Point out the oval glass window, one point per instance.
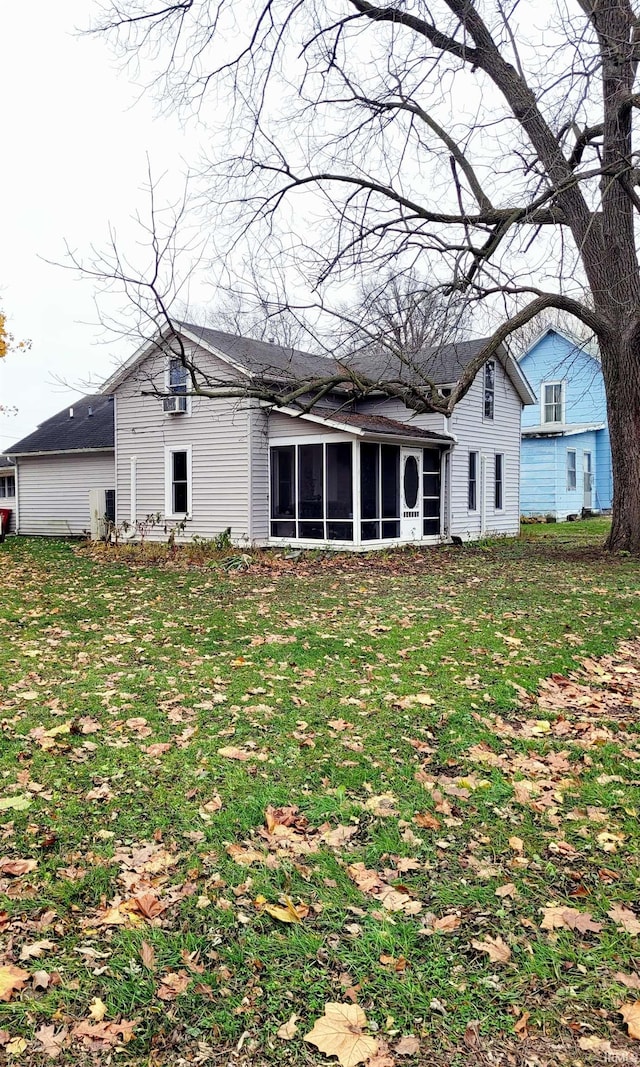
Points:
(411, 481)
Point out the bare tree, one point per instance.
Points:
(451, 128)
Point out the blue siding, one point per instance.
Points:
(544, 491)
(538, 476)
(555, 359)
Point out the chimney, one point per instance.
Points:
(70, 413)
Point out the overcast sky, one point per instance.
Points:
(75, 136)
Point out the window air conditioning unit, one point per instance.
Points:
(174, 405)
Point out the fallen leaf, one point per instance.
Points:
(51, 1041)
(631, 1015)
(496, 949)
(97, 1010)
(15, 803)
(427, 821)
(516, 843)
(40, 979)
(148, 956)
(508, 890)
(16, 868)
(17, 1046)
(35, 950)
(173, 985)
(289, 1029)
(558, 917)
(12, 979)
(407, 1046)
(383, 805)
(340, 1033)
(625, 917)
(287, 912)
(632, 981)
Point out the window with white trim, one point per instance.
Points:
(489, 388)
(498, 499)
(572, 470)
(552, 402)
(7, 485)
(176, 384)
(473, 482)
(178, 482)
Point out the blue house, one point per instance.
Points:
(566, 454)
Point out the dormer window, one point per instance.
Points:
(552, 402)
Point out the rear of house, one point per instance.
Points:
(566, 452)
(349, 475)
(65, 470)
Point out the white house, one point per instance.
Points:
(348, 474)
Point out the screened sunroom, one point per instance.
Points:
(377, 484)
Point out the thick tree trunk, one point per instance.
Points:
(621, 369)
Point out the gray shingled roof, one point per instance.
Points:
(379, 424)
(262, 357)
(6, 462)
(441, 364)
(91, 426)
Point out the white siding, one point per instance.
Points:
(281, 425)
(487, 437)
(53, 491)
(219, 435)
(259, 437)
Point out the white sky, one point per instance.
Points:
(75, 134)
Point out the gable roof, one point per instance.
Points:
(262, 357)
(589, 347)
(91, 426)
(244, 354)
(440, 364)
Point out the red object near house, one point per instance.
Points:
(5, 516)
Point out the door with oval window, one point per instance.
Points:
(410, 494)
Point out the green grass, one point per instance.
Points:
(267, 658)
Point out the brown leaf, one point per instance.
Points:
(340, 1033)
(51, 1041)
(631, 1015)
(407, 1046)
(148, 956)
(625, 917)
(446, 924)
(173, 985)
(35, 949)
(149, 905)
(632, 981)
(427, 821)
(16, 868)
(508, 890)
(242, 754)
(12, 979)
(559, 917)
(496, 949)
(383, 1057)
(289, 1029)
(245, 855)
(40, 979)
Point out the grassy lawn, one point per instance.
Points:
(321, 780)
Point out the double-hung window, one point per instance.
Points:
(572, 476)
(552, 402)
(178, 482)
(7, 485)
(499, 482)
(489, 389)
(176, 385)
(473, 482)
